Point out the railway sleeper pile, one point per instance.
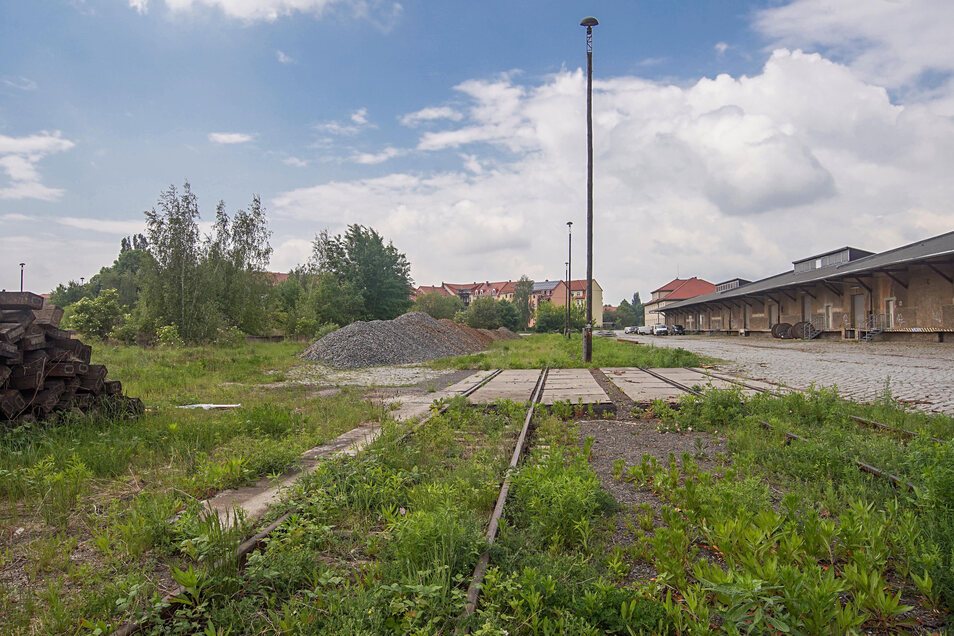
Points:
(45, 370)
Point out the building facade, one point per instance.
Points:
(903, 294)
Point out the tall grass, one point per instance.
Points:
(558, 352)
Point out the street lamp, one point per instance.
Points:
(22, 265)
(589, 23)
(569, 274)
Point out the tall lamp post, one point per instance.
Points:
(589, 23)
(22, 265)
(569, 276)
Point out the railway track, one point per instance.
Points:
(252, 543)
(789, 436)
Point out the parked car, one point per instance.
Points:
(645, 330)
(629, 330)
(660, 330)
(677, 330)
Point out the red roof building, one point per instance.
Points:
(676, 289)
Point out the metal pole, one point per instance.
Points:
(589, 23)
(21, 276)
(569, 277)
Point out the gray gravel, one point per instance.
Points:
(413, 337)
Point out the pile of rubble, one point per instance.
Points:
(413, 337)
(44, 369)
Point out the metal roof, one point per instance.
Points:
(546, 285)
(931, 248)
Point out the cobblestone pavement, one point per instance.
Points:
(919, 374)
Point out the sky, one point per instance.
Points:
(730, 138)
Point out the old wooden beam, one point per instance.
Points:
(20, 300)
(49, 316)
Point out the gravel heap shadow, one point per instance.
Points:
(413, 337)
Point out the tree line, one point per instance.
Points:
(173, 284)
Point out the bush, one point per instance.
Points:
(168, 336)
(230, 337)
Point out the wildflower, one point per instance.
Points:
(402, 511)
(689, 429)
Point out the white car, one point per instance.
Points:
(629, 330)
(660, 330)
(645, 330)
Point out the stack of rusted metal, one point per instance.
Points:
(44, 369)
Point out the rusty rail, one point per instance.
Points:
(133, 626)
(480, 570)
(789, 436)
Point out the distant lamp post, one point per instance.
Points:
(22, 265)
(589, 23)
(569, 276)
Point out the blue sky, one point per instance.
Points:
(731, 137)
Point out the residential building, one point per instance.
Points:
(675, 290)
(902, 294)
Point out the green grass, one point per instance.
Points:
(558, 352)
(102, 489)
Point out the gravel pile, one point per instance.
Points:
(413, 337)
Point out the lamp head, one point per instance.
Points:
(589, 22)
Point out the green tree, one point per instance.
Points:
(176, 290)
(437, 305)
(509, 317)
(336, 301)
(625, 316)
(550, 317)
(639, 310)
(483, 313)
(523, 290)
(96, 317)
(379, 272)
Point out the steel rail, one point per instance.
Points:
(903, 432)
(133, 626)
(789, 436)
(480, 570)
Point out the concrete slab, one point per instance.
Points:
(642, 387)
(510, 384)
(690, 378)
(573, 385)
(755, 384)
(413, 406)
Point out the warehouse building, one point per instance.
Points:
(903, 294)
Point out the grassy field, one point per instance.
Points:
(558, 352)
(85, 501)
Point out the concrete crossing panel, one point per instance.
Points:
(641, 387)
(573, 385)
(510, 384)
(690, 378)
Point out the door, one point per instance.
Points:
(827, 316)
(773, 315)
(807, 308)
(858, 311)
(889, 312)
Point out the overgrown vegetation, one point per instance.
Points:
(559, 352)
(838, 548)
(86, 502)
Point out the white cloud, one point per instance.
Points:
(358, 122)
(430, 114)
(19, 157)
(380, 12)
(721, 48)
(19, 83)
(283, 58)
(731, 176)
(103, 226)
(888, 42)
(369, 158)
(294, 161)
(230, 138)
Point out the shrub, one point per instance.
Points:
(168, 336)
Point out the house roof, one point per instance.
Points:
(671, 285)
(275, 278)
(686, 288)
(937, 247)
(580, 285)
(546, 285)
(429, 289)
